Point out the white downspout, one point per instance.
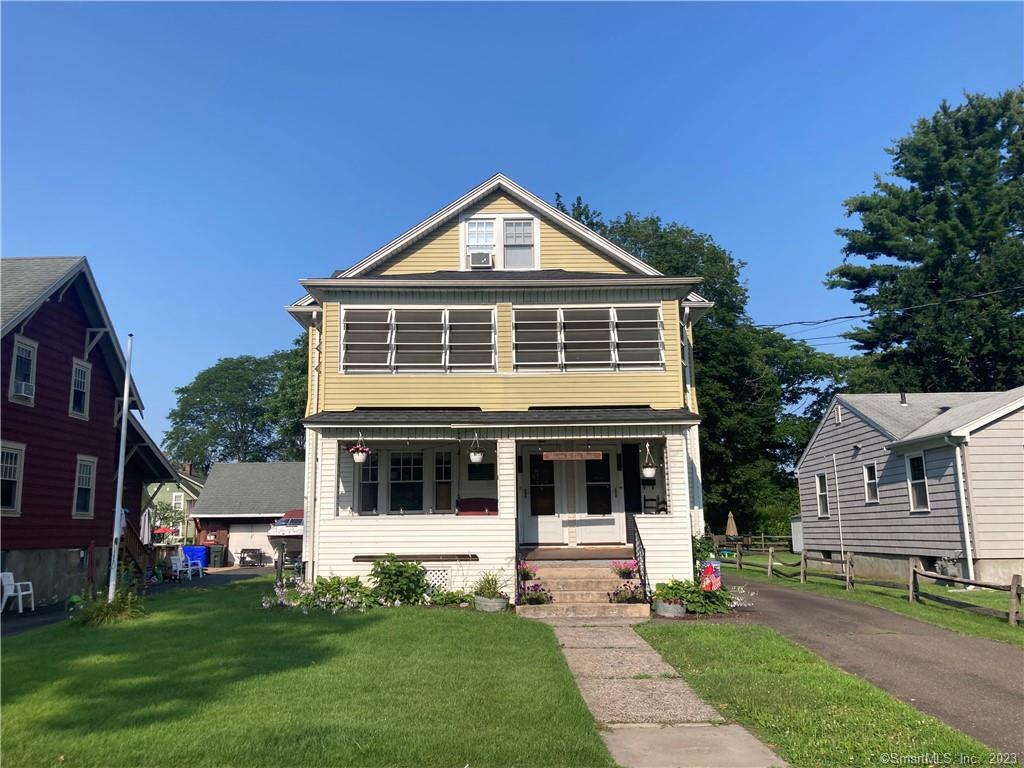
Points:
(961, 500)
(839, 512)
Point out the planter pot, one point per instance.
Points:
(476, 457)
(670, 610)
(649, 472)
(359, 457)
(490, 604)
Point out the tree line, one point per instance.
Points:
(933, 259)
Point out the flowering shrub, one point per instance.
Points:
(627, 593)
(398, 582)
(740, 598)
(327, 594)
(535, 594)
(696, 598)
(526, 571)
(625, 569)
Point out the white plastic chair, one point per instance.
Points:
(183, 567)
(194, 565)
(18, 589)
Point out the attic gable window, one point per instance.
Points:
(412, 340)
(23, 371)
(504, 241)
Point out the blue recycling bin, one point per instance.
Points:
(196, 553)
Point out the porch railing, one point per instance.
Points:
(641, 557)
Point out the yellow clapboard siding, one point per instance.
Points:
(503, 390)
(439, 250)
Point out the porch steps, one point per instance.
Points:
(580, 591)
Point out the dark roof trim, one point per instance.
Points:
(455, 418)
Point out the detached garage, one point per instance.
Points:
(241, 501)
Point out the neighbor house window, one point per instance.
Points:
(821, 487)
(405, 486)
(917, 482)
(23, 371)
(519, 244)
(81, 375)
(12, 467)
(369, 484)
(870, 483)
(418, 340)
(443, 480)
(585, 338)
(178, 501)
(85, 484)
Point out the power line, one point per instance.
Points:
(817, 323)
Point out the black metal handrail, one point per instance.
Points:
(641, 558)
(515, 565)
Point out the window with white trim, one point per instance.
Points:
(443, 480)
(518, 250)
(417, 340)
(12, 469)
(368, 486)
(85, 484)
(22, 388)
(917, 483)
(81, 379)
(871, 483)
(500, 241)
(585, 338)
(178, 501)
(821, 489)
(405, 486)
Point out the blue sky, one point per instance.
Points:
(204, 157)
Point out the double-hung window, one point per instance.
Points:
(12, 469)
(518, 246)
(406, 481)
(417, 340)
(443, 480)
(369, 485)
(582, 338)
(81, 375)
(85, 485)
(178, 501)
(480, 246)
(501, 241)
(821, 489)
(871, 483)
(23, 371)
(917, 483)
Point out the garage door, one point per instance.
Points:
(249, 536)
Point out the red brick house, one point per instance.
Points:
(62, 377)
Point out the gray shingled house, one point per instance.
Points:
(929, 476)
(240, 503)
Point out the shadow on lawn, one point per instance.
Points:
(192, 649)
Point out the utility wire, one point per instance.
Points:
(884, 311)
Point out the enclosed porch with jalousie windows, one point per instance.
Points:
(467, 491)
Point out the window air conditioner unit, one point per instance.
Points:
(24, 389)
(481, 260)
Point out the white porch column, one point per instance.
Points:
(696, 484)
(505, 467)
(677, 487)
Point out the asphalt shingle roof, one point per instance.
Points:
(254, 489)
(25, 280)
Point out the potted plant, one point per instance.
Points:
(648, 468)
(359, 451)
(535, 594)
(526, 571)
(627, 593)
(476, 453)
(625, 569)
(487, 594)
(670, 598)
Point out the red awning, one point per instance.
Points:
(292, 514)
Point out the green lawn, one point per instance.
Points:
(210, 679)
(813, 714)
(956, 619)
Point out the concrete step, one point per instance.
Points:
(602, 584)
(545, 572)
(572, 596)
(584, 610)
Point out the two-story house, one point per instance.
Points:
(524, 387)
(62, 381)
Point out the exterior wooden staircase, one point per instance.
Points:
(580, 590)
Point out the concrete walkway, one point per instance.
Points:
(970, 683)
(649, 716)
(14, 623)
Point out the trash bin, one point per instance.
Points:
(196, 553)
(216, 555)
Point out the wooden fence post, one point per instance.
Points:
(1015, 590)
(739, 556)
(912, 582)
(803, 567)
(849, 571)
(771, 560)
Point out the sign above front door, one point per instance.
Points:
(572, 455)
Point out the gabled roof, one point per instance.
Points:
(499, 182)
(157, 468)
(27, 282)
(252, 490)
(970, 414)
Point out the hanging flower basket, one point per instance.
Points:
(648, 469)
(476, 453)
(359, 451)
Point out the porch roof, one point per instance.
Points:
(472, 417)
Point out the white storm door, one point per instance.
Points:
(541, 517)
(600, 515)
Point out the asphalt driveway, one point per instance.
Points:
(972, 684)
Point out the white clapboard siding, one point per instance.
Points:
(996, 471)
(506, 469)
(667, 545)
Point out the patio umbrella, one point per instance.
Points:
(165, 529)
(730, 526)
(145, 525)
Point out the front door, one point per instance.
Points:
(540, 511)
(600, 518)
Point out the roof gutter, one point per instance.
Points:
(961, 500)
(343, 283)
